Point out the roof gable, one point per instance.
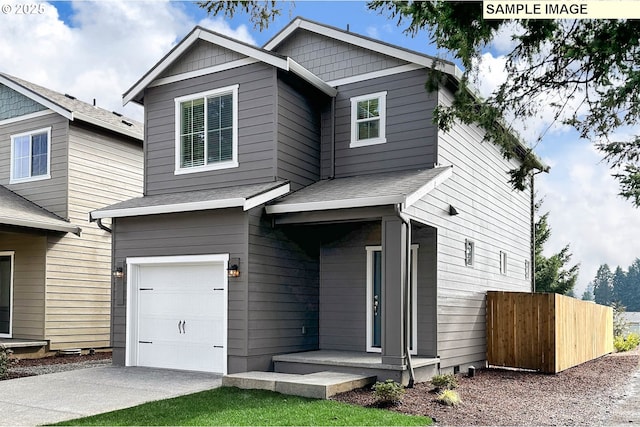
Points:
(201, 55)
(252, 54)
(363, 42)
(14, 104)
(72, 108)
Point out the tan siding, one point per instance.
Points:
(50, 193)
(102, 171)
(495, 217)
(28, 283)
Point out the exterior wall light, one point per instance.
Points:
(453, 211)
(234, 267)
(118, 273)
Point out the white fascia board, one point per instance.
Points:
(160, 67)
(267, 196)
(34, 96)
(203, 71)
(41, 225)
(314, 80)
(172, 208)
(334, 204)
(375, 74)
(106, 125)
(429, 186)
(26, 117)
(252, 52)
(282, 35)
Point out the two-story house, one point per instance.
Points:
(60, 158)
(302, 212)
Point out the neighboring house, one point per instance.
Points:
(302, 212)
(60, 158)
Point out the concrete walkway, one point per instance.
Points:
(50, 398)
(627, 410)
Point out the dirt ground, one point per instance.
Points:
(582, 395)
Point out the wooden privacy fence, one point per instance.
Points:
(545, 332)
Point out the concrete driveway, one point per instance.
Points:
(50, 398)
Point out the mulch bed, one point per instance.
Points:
(51, 360)
(582, 395)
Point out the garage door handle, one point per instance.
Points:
(179, 326)
(184, 326)
(145, 342)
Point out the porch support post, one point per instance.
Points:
(394, 262)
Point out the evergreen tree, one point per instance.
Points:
(619, 287)
(552, 274)
(602, 285)
(633, 286)
(587, 295)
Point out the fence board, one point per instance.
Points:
(545, 332)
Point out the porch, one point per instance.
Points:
(353, 362)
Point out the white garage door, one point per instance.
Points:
(181, 315)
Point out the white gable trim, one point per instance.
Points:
(243, 49)
(359, 41)
(26, 117)
(37, 98)
(335, 204)
(41, 225)
(428, 187)
(244, 203)
(203, 71)
(314, 80)
(375, 74)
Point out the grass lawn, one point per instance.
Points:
(232, 406)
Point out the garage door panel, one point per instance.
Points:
(181, 316)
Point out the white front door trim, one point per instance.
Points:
(133, 300)
(12, 255)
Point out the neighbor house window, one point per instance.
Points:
(503, 262)
(30, 155)
(368, 119)
(469, 247)
(207, 130)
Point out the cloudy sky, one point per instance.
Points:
(98, 49)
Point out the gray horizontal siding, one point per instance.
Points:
(283, 288)
(298, 137)
(50, 193)
(201, 55)
(410, 132)
(332, 59)
(495, 217)
(192, 233)
(256, 118)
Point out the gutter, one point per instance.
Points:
(407, 283)
(101, 225)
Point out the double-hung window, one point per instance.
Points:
(30, 156)
(368, 119)
(207, 130)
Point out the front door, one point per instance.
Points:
(374, 299)
(6, 293)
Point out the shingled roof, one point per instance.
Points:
(74, 109)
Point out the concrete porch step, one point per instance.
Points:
(318, 385)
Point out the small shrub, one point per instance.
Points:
(388, 392)
(449, 398)
(627, 343)
(445, 382)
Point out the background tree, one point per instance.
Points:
(552, 274)
(603, 285)
(587, 295)
(619, 286)
(632, 301)
(585, 71)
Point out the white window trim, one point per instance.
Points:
(13, 180)
(503, 262)
(233, 163)
(369, 302)
(11, 254)
(382, 105)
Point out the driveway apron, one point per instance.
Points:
(51, 398)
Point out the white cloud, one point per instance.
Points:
(373, 32)
(219, 25)
(110, 45)
(586, 211)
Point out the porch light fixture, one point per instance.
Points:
(234, 267)
(453, 211)
(118, 273)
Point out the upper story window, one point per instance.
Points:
(30, 156)
(207, 130)
(368, 119)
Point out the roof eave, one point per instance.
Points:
(106, 125)
(41, 225)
